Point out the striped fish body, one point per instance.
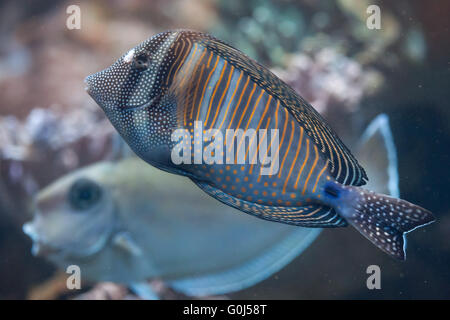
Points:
(216, 91)
(192, 105)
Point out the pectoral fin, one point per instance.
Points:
(124, 241)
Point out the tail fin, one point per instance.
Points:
(382, 219)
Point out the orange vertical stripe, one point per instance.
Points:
(259, 123)
(299, 146)
(209, 60)
(282, 139)
(223, 95)
(196, 90)
(270, 143)
(176, 60)
(319, 175)
(259, 144)
(304, 163)
(197, 64)
(188, 66)
(204, 87)
(255, 107)
(182, 59)
(287, 149)
(246, 106)
(239, 102)
(214, 92)
(312, 169)
(231, 99)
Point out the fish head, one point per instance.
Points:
(73, 217)
(131, 91)
(92, 217)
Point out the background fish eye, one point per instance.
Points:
(83, 194)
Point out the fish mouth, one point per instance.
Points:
(40, 247)
(94, 90)
(101, 100)
(88, 84)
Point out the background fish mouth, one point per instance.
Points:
(30, 231)
(40, 247)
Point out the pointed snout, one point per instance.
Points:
(105, 86)
(88, 84)
(91, 82)
(39, 248)
(29, 230)
(93, 85)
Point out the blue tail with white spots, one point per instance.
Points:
(382, 219)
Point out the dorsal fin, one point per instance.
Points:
(343, 165)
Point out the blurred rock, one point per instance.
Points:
(328, 79)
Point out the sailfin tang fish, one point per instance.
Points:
(190, 82)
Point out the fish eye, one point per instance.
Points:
(141, 62)
(83, 194)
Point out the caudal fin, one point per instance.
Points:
(382, 219)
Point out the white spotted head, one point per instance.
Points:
(135, 78)
(130, 91)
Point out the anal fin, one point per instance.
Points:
(310, 216)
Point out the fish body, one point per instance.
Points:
(268, 152)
